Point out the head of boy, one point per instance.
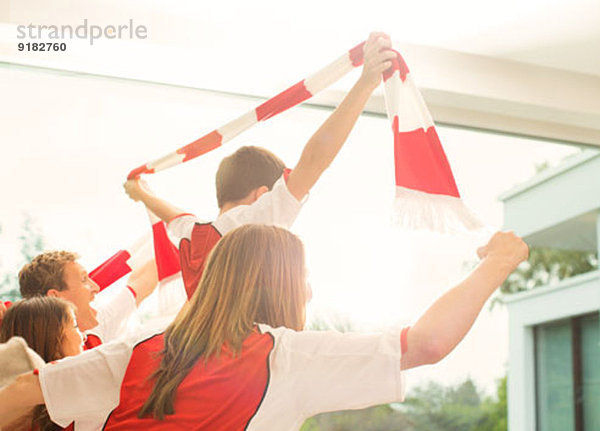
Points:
(58, 274)
(245, 175)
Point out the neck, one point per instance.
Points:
(230, 205)
(227, 206)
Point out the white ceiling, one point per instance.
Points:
(557, 33)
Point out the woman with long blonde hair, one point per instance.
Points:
(236, 357)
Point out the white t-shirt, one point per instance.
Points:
(276, 207)
(314, 372)
(310, 372)
(113, 314)
(196, 239)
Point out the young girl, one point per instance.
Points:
(49, 327)
(47, 324)
(236, 357)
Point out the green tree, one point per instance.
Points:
(548, 266)
(378, 418)
(32, 243)
(495, 417)
(432, 407)
(453, 408)
(32, 240)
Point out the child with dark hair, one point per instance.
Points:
(247, 169)
(49, 327)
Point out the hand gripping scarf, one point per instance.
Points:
(426, 193)
(155, 244)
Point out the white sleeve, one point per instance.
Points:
(85, 388)
(181, 226)
(276, 207)
(329, 371)
(113, 315)
(16, 358)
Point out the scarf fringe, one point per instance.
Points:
(439, 213)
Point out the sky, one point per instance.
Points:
(68, 140)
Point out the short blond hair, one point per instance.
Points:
(45, 272)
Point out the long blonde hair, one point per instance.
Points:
(255, 274)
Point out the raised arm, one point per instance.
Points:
(18, 398)
(138, 190)
(324, 145)
(449, 319)
(143, 280)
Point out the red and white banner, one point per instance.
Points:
(156, 245)
(171, 291)
(123, 262)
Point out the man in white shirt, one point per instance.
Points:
(58, 274)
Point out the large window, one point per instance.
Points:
(590, 371)
(567, 374)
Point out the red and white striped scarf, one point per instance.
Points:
(426, 193)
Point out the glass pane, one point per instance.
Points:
(554, 377)
(590, 357)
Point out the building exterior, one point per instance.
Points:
(554, 348)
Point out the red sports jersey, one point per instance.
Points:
(91, 341)
(221, 395)
(276, 207)
(281, 378)
(193, 252)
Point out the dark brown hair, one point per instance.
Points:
(41, 322)
(44, 272)
(245, 170)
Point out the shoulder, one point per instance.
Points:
(276, 207)
(182, 225)
(302, 342)
(334, 343)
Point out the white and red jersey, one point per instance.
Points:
(281, 378)
(196, 239)
(113, 315)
